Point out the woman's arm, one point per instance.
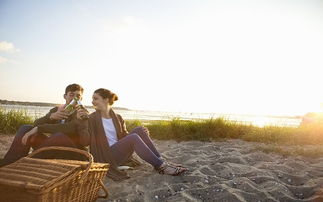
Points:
(84, 131)
(124, 130)
(82, 126)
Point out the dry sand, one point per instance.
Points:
(219, 171)
(223, 171)
(5, 142)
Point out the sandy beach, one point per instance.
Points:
(230, 170)
(223, 171)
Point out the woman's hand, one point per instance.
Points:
(28, 135)
(81, 113)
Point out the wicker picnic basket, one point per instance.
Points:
(32, 179)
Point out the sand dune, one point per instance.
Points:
(223, 171)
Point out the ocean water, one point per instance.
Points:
(36, 111)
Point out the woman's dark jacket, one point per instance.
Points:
(99, 146)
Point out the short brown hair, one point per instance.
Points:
(73, 87)
(105, 93)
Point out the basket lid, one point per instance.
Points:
(36, 174)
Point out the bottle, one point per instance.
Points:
(71, 107)
(84, 117)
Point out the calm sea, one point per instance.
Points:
(36, 111)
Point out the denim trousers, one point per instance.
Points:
(137, 141)
(18, 150)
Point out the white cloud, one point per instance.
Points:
(8, 47)
(6, 60)
(3, 60)
(121, 25)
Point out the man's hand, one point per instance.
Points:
(81, 112)
(28, 135)
(59, 115)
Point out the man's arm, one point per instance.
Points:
(76, 126)
(66, 128)
(46, 119)
(54, 116)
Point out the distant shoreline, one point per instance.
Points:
(43, 104)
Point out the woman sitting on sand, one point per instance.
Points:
(111, 143)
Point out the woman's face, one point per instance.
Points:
(99, 102)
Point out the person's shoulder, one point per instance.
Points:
(119, 116)
(93, 115)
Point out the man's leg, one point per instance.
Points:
(125, 147)
(60, 140)
(17, 150)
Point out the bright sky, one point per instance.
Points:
(230, 56)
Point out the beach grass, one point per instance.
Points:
(275, 137)
(215, 129)
(201, 130)
(11, 120)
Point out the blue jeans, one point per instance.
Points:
(17, 150)
(137, 141)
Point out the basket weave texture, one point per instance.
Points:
(40, 180)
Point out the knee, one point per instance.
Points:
(141, 131)
(59, 138)
(24, 129)
(134, 136)
(58, 135)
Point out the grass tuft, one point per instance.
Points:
(11, 120)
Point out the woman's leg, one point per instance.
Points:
(144, 134)
(125, 147)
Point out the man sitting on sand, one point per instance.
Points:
(64, 131)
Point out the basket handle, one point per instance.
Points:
(84, 153)
(104, 189)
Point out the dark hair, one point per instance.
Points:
(73, 87)
(107, 94)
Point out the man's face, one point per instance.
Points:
(70, 96)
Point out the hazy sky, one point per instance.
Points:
(245, 57)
